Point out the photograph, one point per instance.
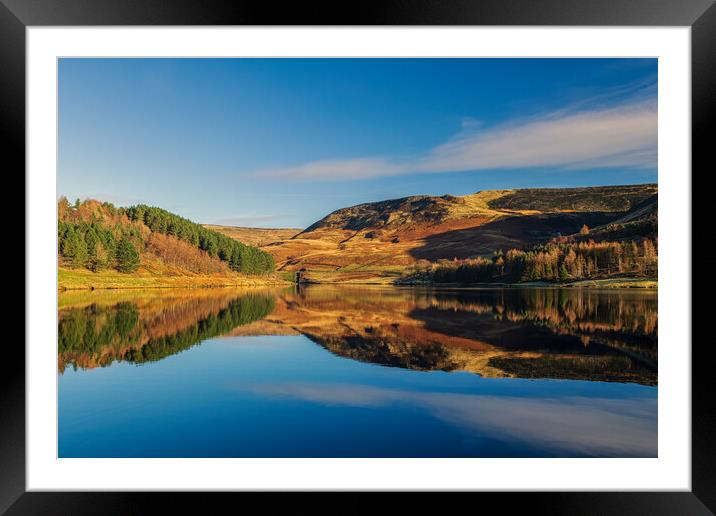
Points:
(357, 257)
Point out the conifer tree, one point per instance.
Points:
(67, 242)
(127, 256)
(98, 257)
(563, 274)
(80, 251)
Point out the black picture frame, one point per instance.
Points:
(700, 15)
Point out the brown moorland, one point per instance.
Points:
(254, 236)
(373, 242)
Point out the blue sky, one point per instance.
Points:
(283, 142)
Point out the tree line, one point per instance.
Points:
(240, 257)
(92, 246)
(555, 262)
(99, 236)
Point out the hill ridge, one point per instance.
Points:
(378, 239)
(431, 209)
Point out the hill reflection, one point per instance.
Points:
(526, 333)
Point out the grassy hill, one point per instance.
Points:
(102, 246)
(376, 241)
(399, 214)
(594, 198)
(254, 236)
(642, 221)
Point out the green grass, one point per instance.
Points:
(71, 279)
(617, 283)
(356, 274)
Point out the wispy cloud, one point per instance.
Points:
(600, 137)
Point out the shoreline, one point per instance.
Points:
(77, 280)
(61, 288)
(623, 283)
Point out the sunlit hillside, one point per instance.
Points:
(100, 245)
(376, 241)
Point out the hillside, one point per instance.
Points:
(376, 240)
(639, 222)
(254, 236)
(408, 212)
(595, 198)
(102, 246)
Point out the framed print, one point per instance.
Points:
(414, 250)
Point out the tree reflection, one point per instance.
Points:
(528, 333)
(97, 335)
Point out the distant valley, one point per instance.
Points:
(255, 236)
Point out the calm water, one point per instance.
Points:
(358, 372)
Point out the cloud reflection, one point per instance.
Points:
(566, 425)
